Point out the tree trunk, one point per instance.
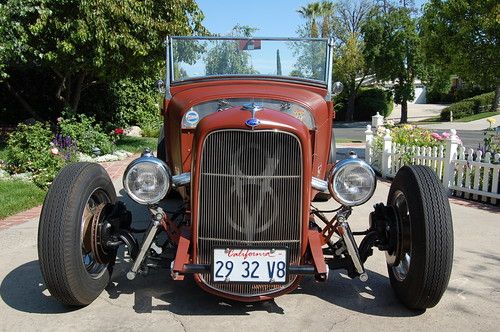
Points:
(404, 111)
(77, 92)
(496, 101)
(23, 102)
(351, 103)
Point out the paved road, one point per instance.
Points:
(356, 132)
(472, 300)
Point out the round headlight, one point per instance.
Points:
(352, 181)
(147, 180)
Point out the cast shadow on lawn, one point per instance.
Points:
(23, 289)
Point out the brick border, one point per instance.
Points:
(115, 170)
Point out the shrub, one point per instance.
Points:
(29, 150)
(368, 103)
(478, 104)
(136, 102)
(373, 100)
(86, 133)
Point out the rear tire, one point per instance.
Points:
(420, 273)
(68, 270)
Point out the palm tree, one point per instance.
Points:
(311, 12)
(326, 12)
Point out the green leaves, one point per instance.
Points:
(392, 50)
(89, 41)
(461, 37)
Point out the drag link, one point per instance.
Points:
(150, 235)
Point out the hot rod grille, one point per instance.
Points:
(250, 195)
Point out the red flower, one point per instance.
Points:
(118, 131)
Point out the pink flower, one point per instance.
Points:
(118, 131)
(436, 136)
(54, 151)
(445, 135)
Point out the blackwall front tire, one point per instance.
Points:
(70, 274)
(420, 273)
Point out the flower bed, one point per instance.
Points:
(37, 152)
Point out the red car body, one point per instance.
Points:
(183, 146)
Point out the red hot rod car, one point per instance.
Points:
(246, 147)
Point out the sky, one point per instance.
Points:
(273, 18)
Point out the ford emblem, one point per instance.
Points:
(252, 122)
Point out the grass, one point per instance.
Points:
(346, 140)
(477, 116)
(136, 144)
(17, 196)
(437, 119)
(434, 119)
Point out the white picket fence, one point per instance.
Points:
(465, 172)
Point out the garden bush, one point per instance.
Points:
(371, 101)
(368, 103)
(85, 133)
(136, 103)
(29, 150)
(478, 104)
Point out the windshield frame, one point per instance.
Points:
(327, 82)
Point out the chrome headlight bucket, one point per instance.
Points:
(147, 179)
(352, 181)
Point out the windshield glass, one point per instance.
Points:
(193, 57)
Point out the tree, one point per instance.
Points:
(392, 50)
(311, 12)
(225, 57)
(82, 43)
(341, 21)
(326, 9)
(350, 66)
(461, 37)
(348, 19)
(278, 63)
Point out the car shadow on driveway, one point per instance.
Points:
(23, 289)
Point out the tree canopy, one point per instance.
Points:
(79, 43)
(392, 50)
(225, 57)
(461, 37)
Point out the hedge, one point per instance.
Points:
(475, 105)
(368, 103)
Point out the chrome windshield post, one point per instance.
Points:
(168, 67)
(329, 70)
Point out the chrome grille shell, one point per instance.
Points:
(250, 194)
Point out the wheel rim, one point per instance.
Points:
(401, 263)
(94, 269)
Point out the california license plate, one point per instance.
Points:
(250, 265)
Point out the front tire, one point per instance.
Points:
(420, 267)
(71, 273)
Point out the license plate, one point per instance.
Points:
(250, 265)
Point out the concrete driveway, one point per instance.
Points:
(472, 301)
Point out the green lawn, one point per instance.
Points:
(437, 119)
(136, 144)
(478, 116)
(346, 140)
(17, 196)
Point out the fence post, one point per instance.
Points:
(377, 120)
(387, 154)
(369, 144)
(450, 155)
